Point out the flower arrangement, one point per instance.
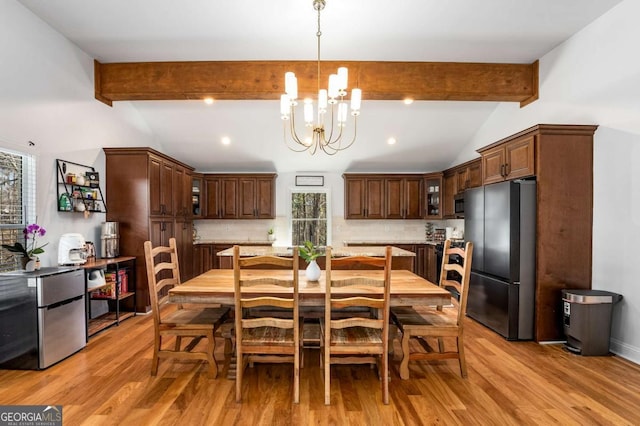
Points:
(309, 252)
(30, 248)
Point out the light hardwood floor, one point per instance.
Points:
(519, 383)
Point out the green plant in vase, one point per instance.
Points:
(310, 253)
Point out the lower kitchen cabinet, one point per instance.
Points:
(112, 299)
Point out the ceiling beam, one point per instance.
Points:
(242, 80)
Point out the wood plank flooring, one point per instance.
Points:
(510, 383)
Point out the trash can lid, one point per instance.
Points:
(590, 297)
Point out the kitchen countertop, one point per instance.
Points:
(377, 242)
(231, 242)
(376, 251)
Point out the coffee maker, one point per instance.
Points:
(72, 249)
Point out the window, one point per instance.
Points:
(17, 201)
(310, 217)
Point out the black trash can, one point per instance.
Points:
(587, 320)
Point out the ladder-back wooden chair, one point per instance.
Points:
(357, 339)
(441, 322)
(163, 273)
(266, 338)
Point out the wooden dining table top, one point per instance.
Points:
(216, 286)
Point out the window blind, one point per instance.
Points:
(17, 201)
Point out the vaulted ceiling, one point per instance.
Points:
(429, 133)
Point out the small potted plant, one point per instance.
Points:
(270, 235)
(30, 249)
(310, 253)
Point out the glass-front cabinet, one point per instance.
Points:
(433, 199)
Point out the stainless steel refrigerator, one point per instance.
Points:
(500, 220)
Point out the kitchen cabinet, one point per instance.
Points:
(424, 264)
(384, 196)
(404, 197)
(433, 200)
(240, 196)
(563, 170)
(449, 191)
(183, 232)
(117, 291)
(364, 196)
(202, 258)
(468, 175)
(196, 191)
(507, 160)
(78, 188)
(155, 208)
(431, 264)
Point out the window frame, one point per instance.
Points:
(309, 190)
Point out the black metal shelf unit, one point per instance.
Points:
(78, 188)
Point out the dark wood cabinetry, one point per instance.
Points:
(239, 196)
(507, 160)
(148, 196)
(456, 180)
(380, 196)
(434, 191)
(449, 191)
(561, 159)
(404, 197)
(364, 197)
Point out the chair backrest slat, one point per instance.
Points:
(463, 270)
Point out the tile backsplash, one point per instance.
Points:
(341, 230)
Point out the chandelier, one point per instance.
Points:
(331, 109)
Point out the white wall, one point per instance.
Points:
(46, 96)
(594, 78)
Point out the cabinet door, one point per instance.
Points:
(187, 187)
(394, 198)
(354, 198)
(202, 258)
(247, 198)
(413, 198)
(493, 165)
(421, 260)
(166, 188)
(431, 264)
(475, 174)
(178, 196)
(184, 241)
(374, 196)
(519, 158)
(197, 193)
(155, 183)
(212, 198)
(433, 185)
(462, 179)
(265, 198)
(449, 190)
(229, 198)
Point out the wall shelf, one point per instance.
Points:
(78, 188)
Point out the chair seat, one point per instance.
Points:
(274, 336)
(405, 317)
(354, 336)
(196, 317)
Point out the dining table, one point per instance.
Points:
(216, 286)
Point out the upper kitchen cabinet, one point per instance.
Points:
(364, 196)
(196, 190)
(404, 197)
(239, 196)
(468, 175)
(449, 182)
(433, 191)
(508, 159)
(160, 186)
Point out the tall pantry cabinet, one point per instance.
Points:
(151, 198)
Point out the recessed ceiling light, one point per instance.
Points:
(391, 141)
(226, 140)
(408, 101)
(208, 100)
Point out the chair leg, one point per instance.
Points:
(461, 360)
(327, 377)
(404, 363)
(156, 348)
(211, 347)
(385, 378)
(239, 372)
(296, 376)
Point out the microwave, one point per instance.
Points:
(458, 205)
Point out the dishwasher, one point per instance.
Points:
(43, 315)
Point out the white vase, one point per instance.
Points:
(313, 271)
